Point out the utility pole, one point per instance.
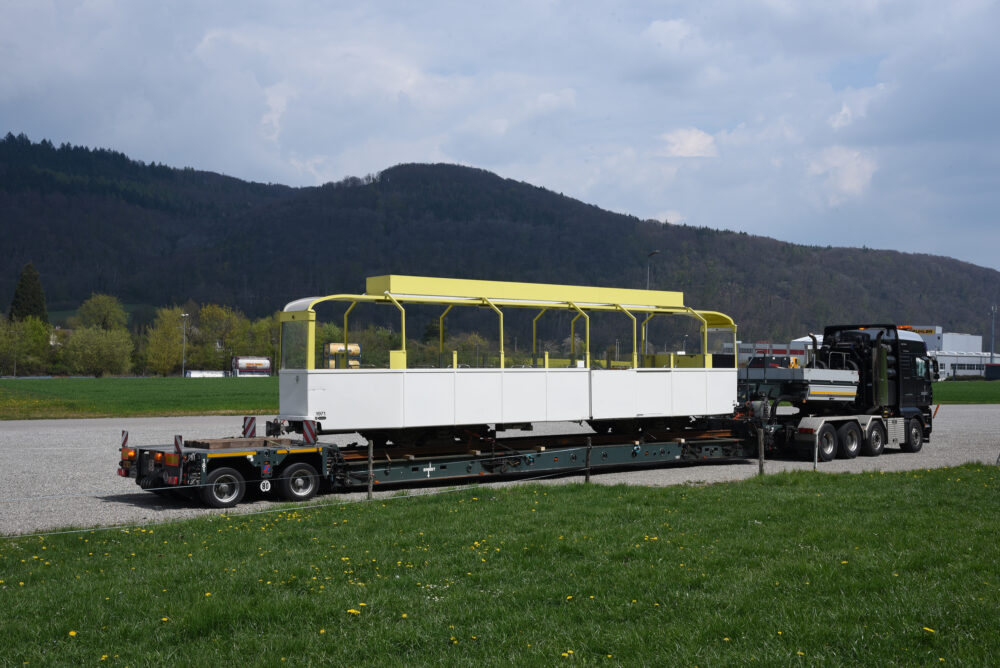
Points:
(184, 341)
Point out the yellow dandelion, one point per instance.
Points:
(929, 630)
(164, 619)
(322, 631)
(208, 593)
(72, 634)
(354, 612)
(404, 615)
(801, 653)
(569, 598)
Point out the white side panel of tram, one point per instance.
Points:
(397, 398)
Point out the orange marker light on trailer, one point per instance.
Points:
(128, 454)
(158, 457)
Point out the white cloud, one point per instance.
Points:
(796, 103)
(689, 143)
(670, 35)
(842, 118)
(848, 172)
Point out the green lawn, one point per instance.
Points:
(872, 569)
(22, 399)
(967, 392)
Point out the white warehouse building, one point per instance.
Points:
(957, 354)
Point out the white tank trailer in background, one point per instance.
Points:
(250, 367)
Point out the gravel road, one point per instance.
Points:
(61, 473)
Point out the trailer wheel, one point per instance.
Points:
(826, 439)
(299, 482)
(914, 436)
(874, 440)
(849, 436)
(223, 488)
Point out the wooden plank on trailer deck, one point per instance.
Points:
(240, 443)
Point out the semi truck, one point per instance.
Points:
(863, 388)
(866, 387)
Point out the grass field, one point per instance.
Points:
(871, 569)
(27, 398)
(967, 392)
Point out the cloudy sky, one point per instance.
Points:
(856, 122)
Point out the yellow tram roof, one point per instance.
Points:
(457, 291)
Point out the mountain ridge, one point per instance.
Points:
(93, 220)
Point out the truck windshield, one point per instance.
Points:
(294, 344)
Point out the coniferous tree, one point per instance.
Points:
(29, 297)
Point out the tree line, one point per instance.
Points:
(98, 340)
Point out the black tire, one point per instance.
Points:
(826, 439)
(874, 442)
(849, 437)
(223, 488)
(298, 482)
(914, 435)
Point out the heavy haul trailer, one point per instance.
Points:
(442, 423)
(865, 387)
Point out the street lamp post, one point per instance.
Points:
(649, 257)
(184, 331)
(993, 330)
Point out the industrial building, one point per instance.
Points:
(958, 355)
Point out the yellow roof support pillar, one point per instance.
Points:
(648, 318)
(534, 335)
(635, 350)
(441, 329)
(311, 342)
(586, 319)
(402, 318)
(347, 313)
(500, 314)
(704, 334)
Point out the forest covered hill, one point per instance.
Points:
(93, 220)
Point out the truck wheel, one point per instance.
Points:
(914, 436)
(874, 440)
(223, 488)
(849, 436)
(299, 482)
(826, 438)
